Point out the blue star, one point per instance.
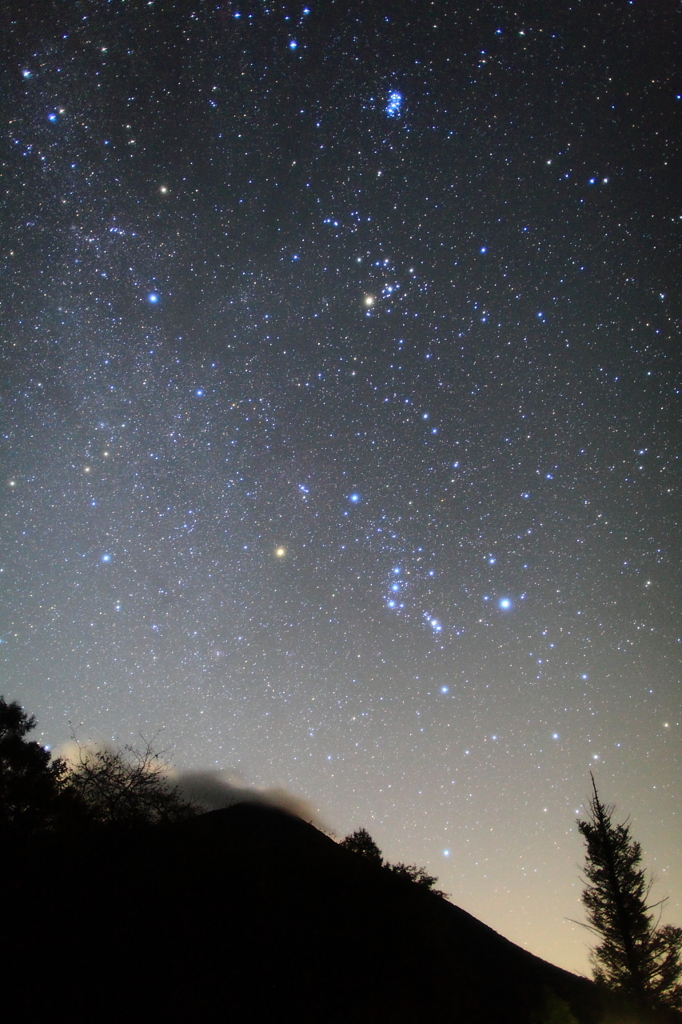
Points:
(153, 298)
(504, 603)
(355, 498)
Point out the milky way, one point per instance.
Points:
(339, 412)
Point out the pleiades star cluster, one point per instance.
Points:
(340, 415)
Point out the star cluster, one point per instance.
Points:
(340, 404)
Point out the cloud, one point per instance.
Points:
(213, 790)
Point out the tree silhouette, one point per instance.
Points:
(634, 955)
(419, 876)
(361, 843)
(31, 783)
(127, 787)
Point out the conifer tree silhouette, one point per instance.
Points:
(634, 956)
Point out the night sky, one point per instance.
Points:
(340, 415)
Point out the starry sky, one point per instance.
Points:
(340, 415)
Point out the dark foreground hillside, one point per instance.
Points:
(249, 915)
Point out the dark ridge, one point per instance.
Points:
(251, 915)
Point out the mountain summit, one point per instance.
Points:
(249, 914)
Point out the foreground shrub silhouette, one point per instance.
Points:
(634, 955)
(554, 1011)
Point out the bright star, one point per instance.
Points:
(354, 498)
(153, 298)
(280, 552)
(106, 558)
(504, 603)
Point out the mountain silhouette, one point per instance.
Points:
(249, 914)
